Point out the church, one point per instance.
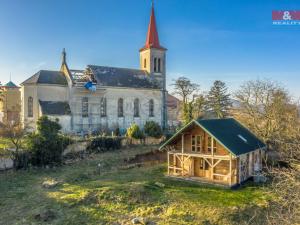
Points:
(101, 98)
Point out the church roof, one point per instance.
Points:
(152, 40)
(55, 108)
(47, 77)
(123, 77)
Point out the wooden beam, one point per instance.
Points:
(230, 171)
(207, 162)
(216, 163)
(174, 163)
(182, 151)
(179, 158)
(182, 143)
(168, 163)
(223, 157)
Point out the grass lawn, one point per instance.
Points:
(117, 195)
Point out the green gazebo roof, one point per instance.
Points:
(10, 84)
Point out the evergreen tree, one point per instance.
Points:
(199, 106)
(219, 99)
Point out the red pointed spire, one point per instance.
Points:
(152, 40)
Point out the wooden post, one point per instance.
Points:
(212, 168)
(174, 164)
(182, 151)
(182, 143)
(212, 146)
(168, 163)
(230, 171)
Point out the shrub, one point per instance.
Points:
(153, 129)
(117, 132)
(134, 132)
(46, 145)
(102, 144)
(21, 159)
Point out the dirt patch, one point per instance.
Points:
(153, 156)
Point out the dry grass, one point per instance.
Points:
(85, 196)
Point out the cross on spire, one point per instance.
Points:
(64, 55)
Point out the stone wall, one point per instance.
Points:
(6, 163)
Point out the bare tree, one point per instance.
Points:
(285, 188)
(268, 110)
(187, 90)
(14, 131)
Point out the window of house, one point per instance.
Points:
(196, 143)
(30, 107)
(242, 138)
(85, 107)
(145, 63)
(120, 108)
(103, 107)
(155, 64)
(211, 144)
(158, 65)
(136, 109)
(151, 108)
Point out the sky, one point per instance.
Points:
(233, 41)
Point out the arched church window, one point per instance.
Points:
(136, 109)
(155, 64)
(120, 108)
(85, 107)
(145, 63)
(30, 107)
(151, 108)
(103, 107)
(158, 69)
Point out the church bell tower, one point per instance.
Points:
(153, 60)
(153, 55)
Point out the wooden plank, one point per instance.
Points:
(174, 167)
(221, 175)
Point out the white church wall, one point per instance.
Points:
(95, 122)
(40, 92)
(26, 92)
(64, 121)
(53, 93)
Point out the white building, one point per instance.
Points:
(99, 97)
